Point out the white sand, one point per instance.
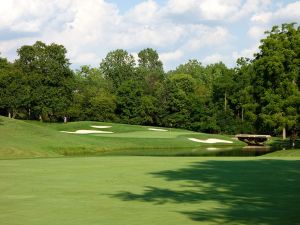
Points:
(156, 129)
(210, 141)
(88, 132)
(212, 149)
(101, 127)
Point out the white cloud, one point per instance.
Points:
(262, 18)
(290, 12)
(88, 58)
(246, 53)
(179, 7)
(85, 31)
(218, 9)
(249, 7)
(284, 14)
(205, 9)
(166, 57)
(203, 36)
(145, 13)
(30, 15)
(257, 32)
(139, 35)
(215, 58)
(8, 48)
(179, 29)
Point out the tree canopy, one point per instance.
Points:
(258, 95)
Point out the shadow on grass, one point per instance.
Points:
(246, 192)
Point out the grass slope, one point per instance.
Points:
(284, 153)
(149, 190)
(21, 139)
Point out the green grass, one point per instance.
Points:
(27, 139)
(149, 190)
(138, 190)
(284, 153)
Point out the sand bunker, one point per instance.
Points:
(212, 149)
(88, 132)
(210, 141)
(101, 127)
(156, 129)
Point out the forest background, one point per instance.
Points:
(258, 95)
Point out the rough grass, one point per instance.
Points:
(150, 190)
(26, 139)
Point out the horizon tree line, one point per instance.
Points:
(260, 95)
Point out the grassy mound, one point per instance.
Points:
(21, 139)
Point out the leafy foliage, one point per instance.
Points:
(257, 96)
(45, 71)
(117, 67)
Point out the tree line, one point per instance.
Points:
(260, 95)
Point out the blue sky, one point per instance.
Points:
(207, 30)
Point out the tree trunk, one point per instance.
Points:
(242, 114)
(225, 101)
(293, 136)
(14, 113)
(9, 114)
(41, 118)
(283, 133)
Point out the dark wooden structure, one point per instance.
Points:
(253, 139)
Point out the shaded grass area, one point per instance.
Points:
(149, 190)
(25, 139)
(230, 191)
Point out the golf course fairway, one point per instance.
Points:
(33, 139)
(92, 173)
(132, 190)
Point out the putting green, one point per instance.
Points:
(149, 190)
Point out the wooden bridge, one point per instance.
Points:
(253, 139)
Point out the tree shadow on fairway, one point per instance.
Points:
(230, 192)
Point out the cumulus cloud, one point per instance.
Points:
(147, 12)
(246, 53)
(171, 56)
(250, 7)
(178, 29)
(205, 9)
(91, 28)
(31, 16)
(203, 36)
(214, 58)
(81, 26)
(262, 18)
(289, 12)
(256, 32)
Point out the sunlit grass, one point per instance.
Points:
(149, 190)
(35, 139)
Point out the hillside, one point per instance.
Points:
(22, 139)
